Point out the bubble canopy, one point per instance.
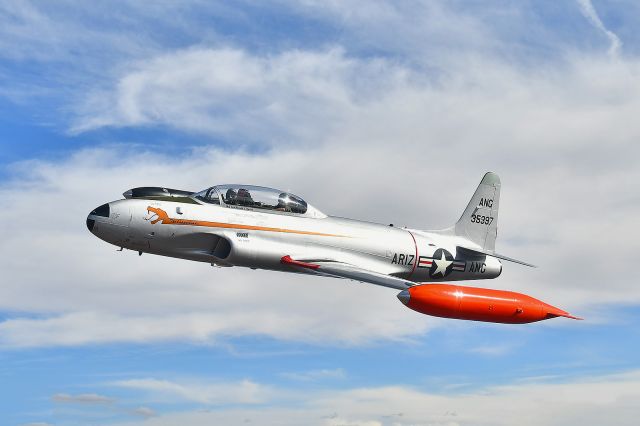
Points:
(256, 197)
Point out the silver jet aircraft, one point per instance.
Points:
(264, 228)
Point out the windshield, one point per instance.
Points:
(210, 196)
(255, 197)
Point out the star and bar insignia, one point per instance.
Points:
(441, 264)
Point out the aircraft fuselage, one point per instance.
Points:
(227, 236)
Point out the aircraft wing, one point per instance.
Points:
(344, 270)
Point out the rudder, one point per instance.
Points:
(479, 222)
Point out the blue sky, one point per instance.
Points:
(383, 111)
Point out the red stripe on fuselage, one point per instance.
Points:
(415, 262)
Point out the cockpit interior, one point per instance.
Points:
(254, 197)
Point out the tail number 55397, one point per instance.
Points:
(482, 220)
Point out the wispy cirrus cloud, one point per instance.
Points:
(144, 412)
(232, 92)
(315, 375)
(119, 62)
(492, 350)
(615, 45)
(240, 393)
(82, 398)
(100, 405)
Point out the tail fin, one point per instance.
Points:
(479, 222)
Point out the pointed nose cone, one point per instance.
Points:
(553, 312)
(404, 296)
(90, 224)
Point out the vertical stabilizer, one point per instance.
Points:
(479, 222)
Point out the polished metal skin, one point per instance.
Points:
(263, 228)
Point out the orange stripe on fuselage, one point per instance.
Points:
(250, 227)
(165, 219)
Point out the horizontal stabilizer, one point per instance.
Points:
(475, 252)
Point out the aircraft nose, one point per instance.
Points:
(103, 210)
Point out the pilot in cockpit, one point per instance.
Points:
(230, 197)
(282, 205)
(243, 198)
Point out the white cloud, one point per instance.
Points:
(492, 350)
(586, 7)
(594, 401)
(100, 63)
(89, 36)
(371, 138)
(79, 328)
(231, 92)
(243, 392)
(83, 398)
(144, 412)
(85, 297)
(398, 138)
(562, 138)
(314, 375)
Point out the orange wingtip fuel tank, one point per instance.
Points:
(478, 304)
